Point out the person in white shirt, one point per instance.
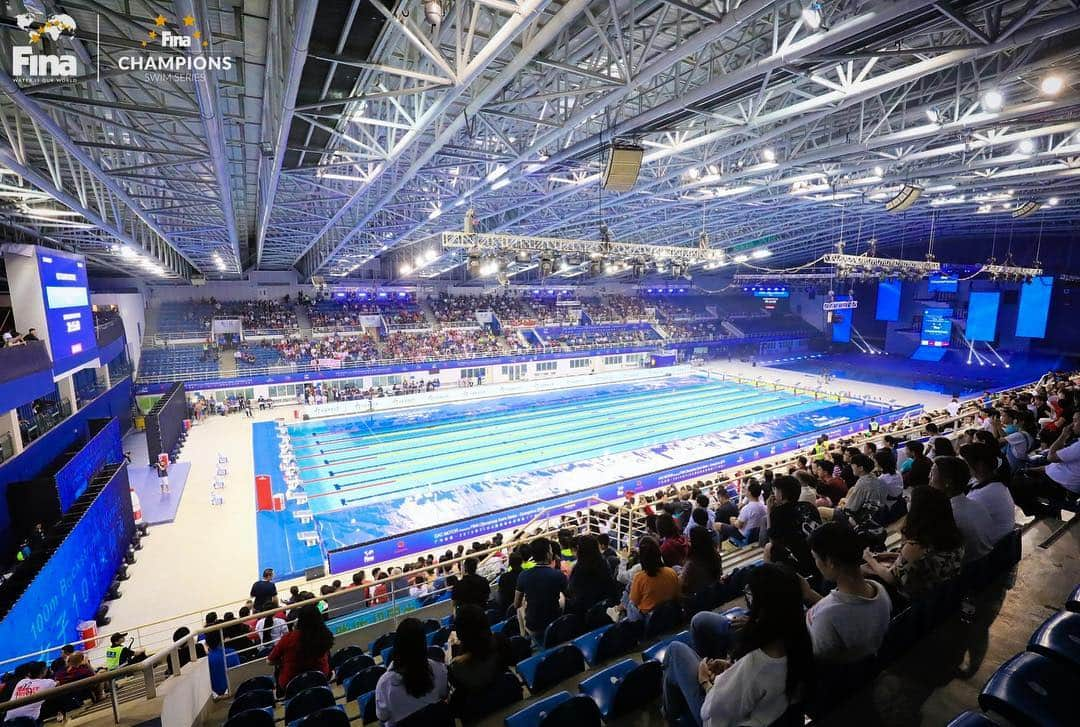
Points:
(951, 475)
(987, 491)
(772, 662)
(1064, 458)
(751, 516)
(953, 407)
(28, 686)
(849, 624)
(413, 681)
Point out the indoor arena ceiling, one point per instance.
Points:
(342, 130)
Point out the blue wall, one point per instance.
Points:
(116, 402)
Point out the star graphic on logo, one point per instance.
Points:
(143, 44)
(35, 36)
(159, 21)
(188, 20)
(205, 43)
(197, 34)
(153, 35)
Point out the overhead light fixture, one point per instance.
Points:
(693, 173)
(760, 253)
(495, 173)
(933, 115)
(993, 100)
(879, 171)
(1027, 208)
(811, 15)
(500, 184)
(768, 155)
(435, 212)
(1053, 201)
(1026, 146)
(741, 258)
(1051, 85)
(907, 196)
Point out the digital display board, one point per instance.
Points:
(936, 327)
(841, 322)
(1034, 307)
(69, 587)
(68, 315)
(104, 448)
(888, 300)
(772, 293)
(982, 315)
(942, 283)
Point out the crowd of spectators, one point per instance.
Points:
(341, 348)
(710, 329)
(344, 312)
(617, 309)
(510, 309)
(568, 337)
(442, 344)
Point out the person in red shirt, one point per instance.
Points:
(305, 648)
(673, 545)
(832, 487)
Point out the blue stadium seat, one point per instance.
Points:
(435, 653)
(550, 667)
(352, 666)
(1059, 638)
(657, 651)
(439, 637)
(248, 718)
(252, 699)
(308, 679)
(535, 713)
(366, 703)
(471, 706)
(509, 627)
(1031, 690)
(263, 681)
(624, 687)
(362, 682)
(663, 619)
(520, 648)
(1073, 602)
(343, 654)
(607, 642)
(971, 719)
(386, 655)
(326, 717)
(597, 616)
(562, 629)
(308, 701)
(380, 644)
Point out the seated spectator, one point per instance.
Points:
(865, 499)
(539, 589)
(987, 489)
(270, 629)
(849, 624)
(703, 566)
(768, 669)
(951, 475)
(507, 583)
(655, 583)
(220, 659)
(479, 656)
(413, 681)
(76, 668)
(184, 654)
(725, 508)
(834, 488)
(701, 502)
(1063, 456)
(305, 648)
(751, 517)
(238, 636)
(791, 521)
(673, 545)
(603, 541)
(471, 588)
(893, 483)
(120, 654)
(932, 550)
(916, 467)
(591, 581)
(28, 686)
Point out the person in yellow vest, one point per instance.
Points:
(120, 654)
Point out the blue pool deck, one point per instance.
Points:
(376, 475)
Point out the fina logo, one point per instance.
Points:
(26, 61)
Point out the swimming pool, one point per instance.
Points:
(381, 474)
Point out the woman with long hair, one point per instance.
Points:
(769, 668)
(591, 581)
(703, 564)
(655, 583)
(479, 655)
(673, 545)
(305, 648)
(413, 681)
(932, 551)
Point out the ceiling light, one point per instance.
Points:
(1026, 146)
(435, 212)
(1052, 85)
(879, 171)
(768, 155)
(1053, 201)
(430, 255)
(760, 253)
(500, 184)
(811, 15)
(932, 115)
(495, 173)
(741, 258)
(693, 173)
(993, 100)
(406, 269)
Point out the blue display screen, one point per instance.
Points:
(982, 315)
(70, 587)
(888, 300)
(1034, 307)
(73, 478)
(841, 326)
(936, 327)
(777, 293)
(67, 310)
(942, 283)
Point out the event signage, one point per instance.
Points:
(840, 305)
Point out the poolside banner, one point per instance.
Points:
(405, 544)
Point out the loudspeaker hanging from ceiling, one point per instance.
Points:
(907, 196)
(623, 166)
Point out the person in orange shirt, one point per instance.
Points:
(655, 583)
